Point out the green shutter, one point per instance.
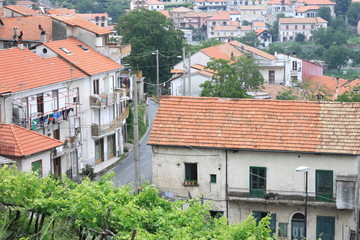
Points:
(324, 185)
(257, 182)
(37, 167)
(325, 228)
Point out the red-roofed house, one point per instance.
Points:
(241, 155)
(96, 37)
(100, 19)
(177, 15)
(264, 37)
(290, 27)
(306, 11)
(209, 5)
(29, 26)
(70, 92)
(18, 11)
(319, 3)
(286, 7)
(29, 150)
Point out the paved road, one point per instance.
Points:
(125, 170)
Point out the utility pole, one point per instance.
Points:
(189, 76)
(158, 89)
(136, 135)
(183, 88)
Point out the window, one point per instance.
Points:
(216, 214)
(257, 182)
(37, 167)
(324, 185)
(190, 173)
(287, 27)
(295, 27)
(303, 26)
(258, 215)
(294, 65)
(96, 86)
(325, 227)
(213, 178)
(40, 104)
(271, 76)
(283, 229)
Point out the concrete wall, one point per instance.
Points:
(281, 178)
(25, 164)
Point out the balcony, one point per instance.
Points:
(98, 101)
(288, 198)
(98, 130)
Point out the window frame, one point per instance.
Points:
(191, 174)
(258, 192)
(324, 196)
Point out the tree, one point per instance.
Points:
(327, 37)
(353, 13)
(324, 13)
(232, 80)
(287, 95)
(336, 56)
(148, 31)
(249, 39)
(49, 208)
(245, 23)
(300, 37)
(350, 96)
(341, 7)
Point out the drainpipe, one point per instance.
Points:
(226, 185)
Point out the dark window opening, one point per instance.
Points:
(213, 178)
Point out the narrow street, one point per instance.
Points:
(125, 170)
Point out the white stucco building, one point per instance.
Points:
(242, 156)
(290, 27)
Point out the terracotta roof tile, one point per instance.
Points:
(259, 31)
(23, 69)
(279, 2)
(18, 141)
(253, 50)
(317, 2)
(154, 2)
(306, 8)
(28, 25)
(61, 11)
(331, 84)
(226, 28)
(224, 51)
(89, 61)
(93, 16)
(259, 24)
(21, 10)
(264, 125)
(165, 13)
(181, 10)
(314, 20)
(1, 12)
(82, 23)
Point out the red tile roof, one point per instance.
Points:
(90, 61)
(331, 84)
(82, 23)
(306, 8)
(263, 125)
(23, 69)
(279, 2)
(1, 12)
(93, 15)
(18, 141)
(61, 11)
(28, 25)
(21, 10)
(314, 20)
(317, 2)
(224, 51)
(253, 50)
(165, 13)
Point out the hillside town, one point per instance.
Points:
(248, 107)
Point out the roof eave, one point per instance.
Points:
(255, 150)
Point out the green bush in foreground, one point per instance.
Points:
(48, 208)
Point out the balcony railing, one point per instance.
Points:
(277, 197)
(98, 130)
(98, 101)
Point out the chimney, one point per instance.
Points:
(42, 34)
(337, 87)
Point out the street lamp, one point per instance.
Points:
(305, 170)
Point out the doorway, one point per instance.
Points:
(297, 226)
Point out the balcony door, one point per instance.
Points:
(99, 151)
